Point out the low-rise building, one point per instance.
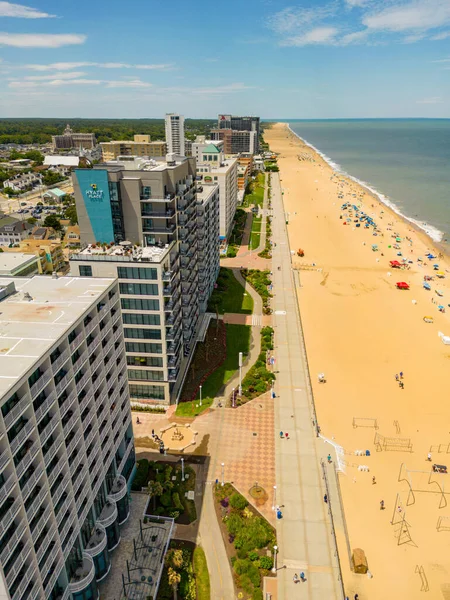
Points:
(50, 253)
(141, 146)
(201, 142)
(69, 139)
(18, 264)
(23, 182)
(55, 194)
(13, 231)
(72, 238)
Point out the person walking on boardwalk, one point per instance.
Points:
(329, 459)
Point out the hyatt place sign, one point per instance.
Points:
(94, 193)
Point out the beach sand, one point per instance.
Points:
(361, 331)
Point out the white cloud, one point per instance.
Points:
(291, 19)
(18, 10)
(319, 35)
(441, 36)
(353, 3)
(67, 66)
(420, 14)
(434, 100)
(354, 38)
(69, 75)
(59, 82)
(40, 40)
(134, 83)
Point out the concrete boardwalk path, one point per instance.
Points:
(304, 533)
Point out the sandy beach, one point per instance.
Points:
(361, 331)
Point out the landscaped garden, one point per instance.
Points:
(237, 232)
(229, 296)
(260, 281)
(249, 540)
(224, 342)
(259, 379)
(267, 252)
(254, 194)
(185, 573)
(167, 491)
(255, 233)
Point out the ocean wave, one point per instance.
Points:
(433, 232)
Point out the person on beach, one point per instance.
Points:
(281, 435)
(396, 377)
(302, 576)
(296, 578)
(382, 505)
(429, 456)
(401, 374)
(401, 384)
(373, 480)
(329, 459)
(286, 435)
(325, 499)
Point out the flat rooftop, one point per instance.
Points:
(205, 190)
(29, 328)
(139, 163)
(11, 261)
(123, 252)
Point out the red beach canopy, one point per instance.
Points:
(402, 285)
(394, 263)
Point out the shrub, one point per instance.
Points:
(242, 566)
(266, 562)
(176, 501)
(253, 573)
(166, 499)
(246, 583)
(253, 555)
(235, 524)
(174, 514)
(238, 544)
(238, 501)
(257, 594)
(168, 473)
(224, 502)
(256, 532)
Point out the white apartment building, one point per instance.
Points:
(175, 134)
(208, 206)
(13, 231)
(151, 223)
(66, 438)
(214, 168)
(201, 142)
(20, 183)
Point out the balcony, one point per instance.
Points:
(46, 543)
(173, 374)
(12, 542)
(18, 563)
(108, 514)
(49, 428)
(168, 197)
(62, 358)
(167, 214)
(83, 380)
(21, 436)
(70, 423)
(47, 403)
(118, 489)
(83, 575)
(65, 405)
(27, 460)
(31, 482)
(7, 487)
(168, 228)
(41, 383)
(27, 577)
(4, 459)
(76, 341)
(11, 507)
(91, 325)
(97, 542)
(39, 522)
(73, 442)
(32, 510)
(86, 400)
(15, 413)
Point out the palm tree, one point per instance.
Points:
(174, 558)
(154, 489)
(174, 580)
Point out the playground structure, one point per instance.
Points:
(443, 524)
(400, 524)
(419, 481)
(364, 422)
(441, 448)
(424, 587)
(392, 443)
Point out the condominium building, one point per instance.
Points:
(175, 134)
(66, 437)
(214, 168)
(139, 222)
(208, 231)
(69, 139)
(235, 142)
(201, 142)
(141, 146)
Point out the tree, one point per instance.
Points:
(32, 220)
(174, 579)
(52, 177)
(35, 156)
(155, 489)
(174, 558)
(52, 221)
(10, 192)
(71, 213)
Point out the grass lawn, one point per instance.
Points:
(256, 233)
(230, 296)
(238, 340)
(201, 574)
(256, 196)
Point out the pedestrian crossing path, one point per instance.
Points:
(256, 320)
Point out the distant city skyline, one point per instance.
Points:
(280, 60)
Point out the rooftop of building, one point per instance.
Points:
(205, 191)
(67, 161)
(13, 261)
(10, 224)
(125, 251)
(133, 142)
(223, 167)
(57, 191)
(211, 149)
(139, 163)
(37, 313)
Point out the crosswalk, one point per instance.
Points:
(256, 320)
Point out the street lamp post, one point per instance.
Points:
(223, 473)
(240, 373)
(274, 568)
(274, 503)
(200, 395)
(182, 469)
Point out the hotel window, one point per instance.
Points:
(150, 392)
(144, 361)
(139, 289)
(139, 304)
(138, 319)
(147, 348)
(85, 271)
(142, 334)
(136, 273)
(137, 375)
(146, 191)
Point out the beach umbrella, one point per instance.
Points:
(402, 285)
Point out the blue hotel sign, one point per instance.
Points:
(94, 187)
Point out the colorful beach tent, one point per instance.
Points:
(395, 264)
(402, 285)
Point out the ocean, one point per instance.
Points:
(406, 162)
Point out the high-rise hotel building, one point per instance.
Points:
(145, 222)
(66, 438)
(175, 134)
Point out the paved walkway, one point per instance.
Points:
(304, 539)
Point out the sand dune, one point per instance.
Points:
(361, 331)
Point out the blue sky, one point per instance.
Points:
(275, 58)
